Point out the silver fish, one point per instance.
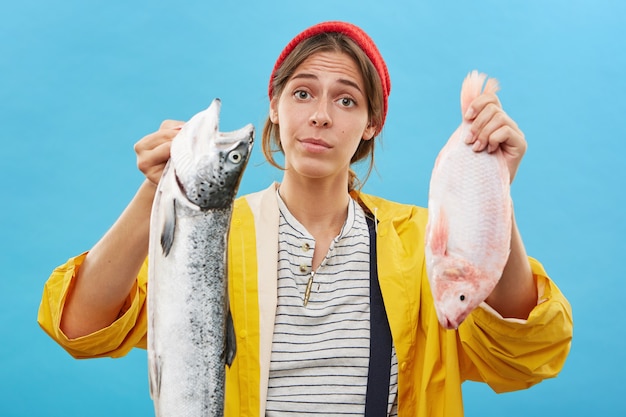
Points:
(190, 332)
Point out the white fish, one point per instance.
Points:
(468, 235)
(190, 333)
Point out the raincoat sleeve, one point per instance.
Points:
(512, 354)
(116, 340)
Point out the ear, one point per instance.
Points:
(369, 132)
(274, 110)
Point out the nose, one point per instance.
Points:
(321, 116)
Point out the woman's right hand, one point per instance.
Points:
(153, 150)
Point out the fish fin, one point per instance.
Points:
(491, 87)
(473, 87)
(231, 342)
(155, 376)
(169, 225)
(439, 234)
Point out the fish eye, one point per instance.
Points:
(234, 157)
(462, 297)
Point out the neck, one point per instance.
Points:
(320, 206)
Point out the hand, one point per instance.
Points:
(492, 128)
(153, 150)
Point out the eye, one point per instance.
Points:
(462, 297)
(347, 102)
(301, 94)
(235, 157)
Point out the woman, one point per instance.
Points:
(330, 300)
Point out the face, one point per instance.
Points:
(322, 115)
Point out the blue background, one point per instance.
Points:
(81, 82)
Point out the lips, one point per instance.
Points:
(315, 145)
(317, 142)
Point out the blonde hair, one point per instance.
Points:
(330, 42)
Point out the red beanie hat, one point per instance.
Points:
(359, 37)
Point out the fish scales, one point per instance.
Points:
(193, 318)
(190, 335)
(469, 228)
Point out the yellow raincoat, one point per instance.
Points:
(507, 354)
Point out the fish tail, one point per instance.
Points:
(473, 87)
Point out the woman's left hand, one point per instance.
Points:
(492, 128)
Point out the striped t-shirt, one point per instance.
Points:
(320, 352)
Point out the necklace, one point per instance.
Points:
(307, 291)
(309, 284)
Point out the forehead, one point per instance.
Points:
(335, 64)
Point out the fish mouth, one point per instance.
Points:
(449, 324)
(208, 164)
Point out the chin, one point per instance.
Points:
(313, 171)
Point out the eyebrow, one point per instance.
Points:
(344, 81)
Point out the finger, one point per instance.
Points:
(501, 135)
(487, 113)
(477, 137)
(171, 124)
(488, 125)
(155, 139)
(155, 156)
(167, 131)
(152, 162)
(479, 104)
(487, 105)
(513, 146)
(159, 154)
